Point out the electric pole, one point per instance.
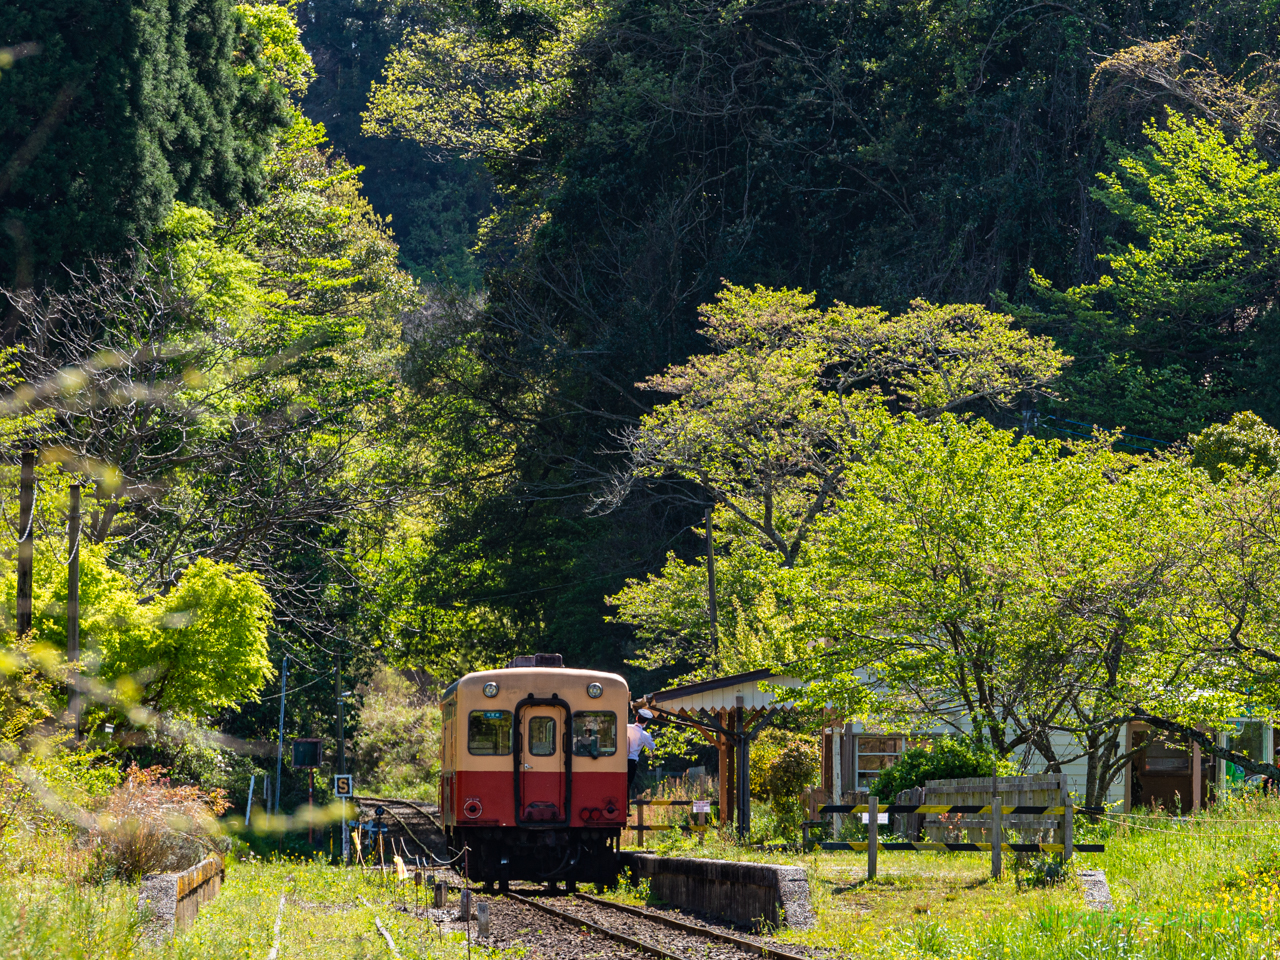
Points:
(711, 593)
(73, 602)
(284, 682)
(26, 539)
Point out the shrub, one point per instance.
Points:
(1246, 442)
(947, 758)
(397, 747)
(793, 768)
(783, 763)
(149, 826)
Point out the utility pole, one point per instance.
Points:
(342, 753)
(284, 681)
(73, 600)
(711, 594)
(337, 691)
(26, 539)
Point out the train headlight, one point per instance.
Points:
(594, 690)
(490, 689)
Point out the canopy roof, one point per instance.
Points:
(722, 693)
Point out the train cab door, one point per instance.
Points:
(542, 764)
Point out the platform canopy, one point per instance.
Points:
(728, 711)
(710, 697)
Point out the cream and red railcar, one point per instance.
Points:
(534, 772)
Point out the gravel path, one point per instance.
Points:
(514, 925)
(650, 931)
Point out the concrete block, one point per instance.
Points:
(1097, 895)
(174, 899)
(746, 894)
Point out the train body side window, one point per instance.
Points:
(542, 736)
(489, 733)
(595, 733)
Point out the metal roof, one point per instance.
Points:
(722, 693)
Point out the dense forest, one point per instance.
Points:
(426, 333)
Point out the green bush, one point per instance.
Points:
(947, 758)
(397, 748)
(783, 763)
(1246, 442)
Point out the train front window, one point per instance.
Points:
(489, 733)
(595, 733)
(542, 736)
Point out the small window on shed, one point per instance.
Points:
(595, 733)
(489, 733)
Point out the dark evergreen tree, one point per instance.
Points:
(115, 109)
(432, 198)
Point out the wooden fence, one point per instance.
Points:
(641, 828)
(943, 808)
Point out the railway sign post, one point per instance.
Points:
(344, 787)
(307, 754)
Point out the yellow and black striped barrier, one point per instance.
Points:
(925, 845)
(954, 808)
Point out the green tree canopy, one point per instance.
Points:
(1179, 332)
(115, 110)
(1245, 442)
(192, 651)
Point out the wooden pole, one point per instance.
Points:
(997, 837)
(837, 775)
(873, 834)
(1068, 826)
(728, 792)
(342, 735)
(73, 601)
(284, 683)
(711, 594)
(1197, 776)
(744, 772)
(26, 539)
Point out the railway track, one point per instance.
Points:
(645, 933)
(412, 827)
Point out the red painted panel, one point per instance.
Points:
(493, 790)
(542, 787)
(596, 790)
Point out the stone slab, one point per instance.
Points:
(1097, 895)
(174, 899)
(745, 894)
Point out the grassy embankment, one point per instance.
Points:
(324, 917)
(1206, 887)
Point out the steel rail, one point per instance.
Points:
(622, 938)
(741, 942)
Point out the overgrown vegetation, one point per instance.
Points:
(1201, 887)
(947, 758)
(398, 747)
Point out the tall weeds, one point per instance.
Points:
(149, 826)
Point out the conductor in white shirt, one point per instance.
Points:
(637, 739)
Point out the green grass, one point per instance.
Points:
(1207, 887)
(324, 917)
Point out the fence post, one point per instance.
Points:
(640, 821)
(997, 838)
(873, 834)
(1068, 825)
